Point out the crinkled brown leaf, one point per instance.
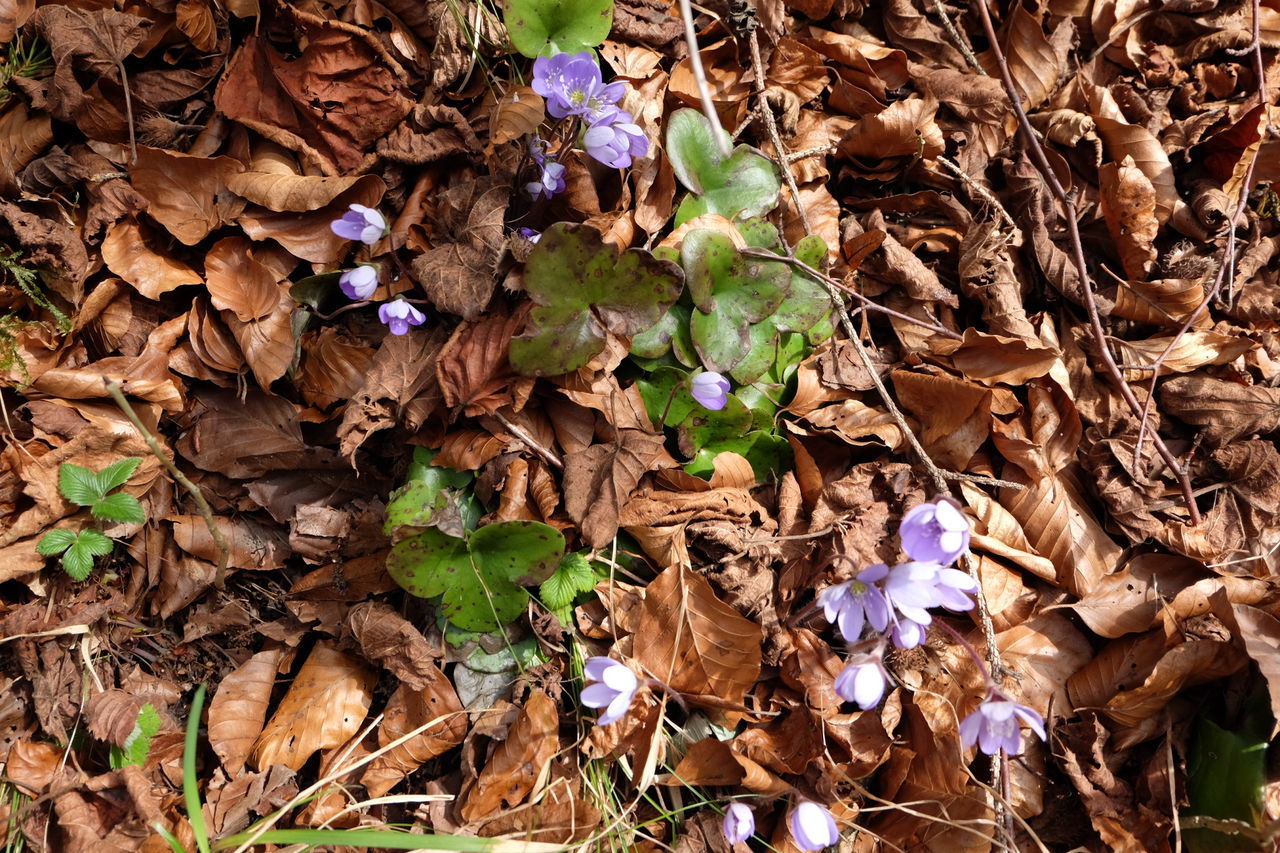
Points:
(1224, 410)
(239, 708)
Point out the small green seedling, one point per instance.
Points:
(137, 746)
(91, 489)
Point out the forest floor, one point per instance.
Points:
(573, 382)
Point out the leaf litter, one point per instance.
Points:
(168, 181)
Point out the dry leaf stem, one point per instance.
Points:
(1228, 254)
(206, 512)
(1041, 161)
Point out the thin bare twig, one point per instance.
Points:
(1041, 161)
(779, 150)
(206, 512)
(954, 168)
(959, 38)
(704, 91)
(531, 442)
(1227, 266)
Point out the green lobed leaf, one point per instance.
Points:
(119, 507)
(55, 542)
(547, 27)
(731, 292)
(742, 185)
(77, 561)
(117, 474)
(79, 485)
(573, 576)
(96, 544)
(656, 391)
(768, 454)
(480, 579)
(583, 287)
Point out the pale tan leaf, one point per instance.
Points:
(516, 114)
(1129, 205)
(325, 705)
(180, 190)
(1129, 600)
(13, 14)
(151, 272)
(1194, 349)
(1163, 302)
(696, 643)
(1185, 665)
(855, 422)
(239, 708)
(518, 761)
(237, 282)
(1061, 526)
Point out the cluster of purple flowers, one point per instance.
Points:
(369, 226)
(895, 603)
(812, 827)
(572, 86)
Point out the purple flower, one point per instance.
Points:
(400, 315)
(530, 235)
(711, 390)
(812, 827)
(854, 603)
(614, 139)
(911, 589)
(739, 823)
(550, 182)
(954, 588)
(862, 681)
(572, 85)
(359, 283)
(360, 223)
(614, 691)
(994, 726)
(934, 532)
(906, 634)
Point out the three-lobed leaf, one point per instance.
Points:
(480, 579)
(584, 288)
(546, 27)
(78, 559)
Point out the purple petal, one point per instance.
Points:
(598, 695)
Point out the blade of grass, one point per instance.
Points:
(190, 785)
(376, 838)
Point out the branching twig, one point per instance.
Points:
(1041, 161)
(1228, 255)
(206, 512)
(704, 91)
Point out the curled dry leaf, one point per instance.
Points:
(182, 190)
(152, 273)
(598, 481)
(1129, 204)
(409, 709)
(239, 708)
(253, 545)
(325, 705)
(1193, 350)
(518, 761)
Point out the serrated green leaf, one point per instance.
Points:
(119, 507)
(137, 745)
(55, 542)
(572, 577)
(731, 292)
(743, 185)
(95, 543)
(79, 485)
(480, 579)
(77, 561)
(582, 287)
(547, 27)
(117, 474)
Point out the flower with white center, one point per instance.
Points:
(862, 681)
(614, 689)
(360, 223)
(739, 823)
(572, 85)
(812, 827)
(359, 283)
(934, 532)
(994, 726)
(711, 390)
(855, 603)
(400, 315)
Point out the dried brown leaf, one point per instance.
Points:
(325, 705)
(599, 480)
(459, 274)
(696, 643)
(1193, 350)
(1225, 410)
(181, 190)
(239, 708)
(518, 761)
(410, 709)
(151, 272)
(1129, 204)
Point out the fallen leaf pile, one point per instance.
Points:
(168, 173)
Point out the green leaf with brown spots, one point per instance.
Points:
(480, 579)
(583, 287)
